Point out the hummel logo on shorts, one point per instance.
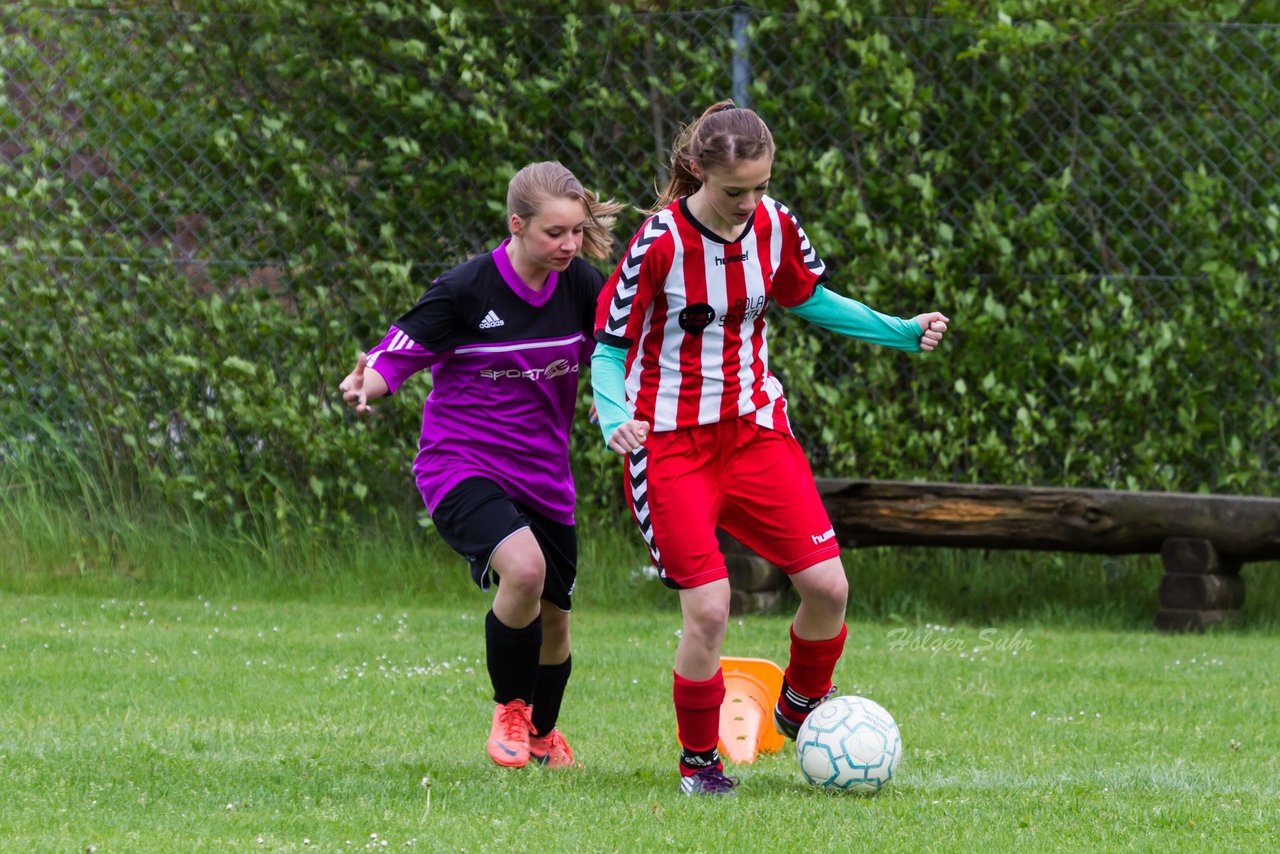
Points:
(819, 539)
(491, 321)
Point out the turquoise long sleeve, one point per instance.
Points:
(852, 318)
(608, 384)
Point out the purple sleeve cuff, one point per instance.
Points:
(398, 357)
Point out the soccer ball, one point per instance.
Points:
(849, 743)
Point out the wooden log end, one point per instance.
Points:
(1188, 555)
(1201, 592)
(752, 573)
(1185, 620)
(757, 602)
(747, 570)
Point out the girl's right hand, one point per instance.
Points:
(629, 437)
(352, 387)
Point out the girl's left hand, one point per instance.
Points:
(934, 324)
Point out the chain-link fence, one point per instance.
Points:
(1112, 192)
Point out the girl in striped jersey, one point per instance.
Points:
(504, 336)
(683, 389)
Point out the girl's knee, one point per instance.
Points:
(709, 620)
(525, 574)
(824, 583)
(705, 610)
(838, 590)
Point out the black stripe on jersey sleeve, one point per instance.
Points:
(625, 289)
(613, 340)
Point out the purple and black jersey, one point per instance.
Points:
(504, 363)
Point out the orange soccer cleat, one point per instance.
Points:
(551, 750)
(509, 736)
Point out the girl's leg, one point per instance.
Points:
(699, 685)
(513, 630)
(513, 643)
(559, 544)
(824, 595)
(555, 634)
(817, 640)
(705, 614)
(554, 667)
(521, 568)
(674, 486)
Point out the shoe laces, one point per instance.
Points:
(715, 782)
(514, 719)
(553, 741)
(818, 701)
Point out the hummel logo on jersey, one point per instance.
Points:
(491, 321)
(729, 259)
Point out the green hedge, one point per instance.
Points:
(207, 214)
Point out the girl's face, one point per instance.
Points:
(732, 192)
(552, 237)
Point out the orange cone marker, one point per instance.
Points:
(751, 689)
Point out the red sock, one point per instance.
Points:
(698, 712)
(812, 663)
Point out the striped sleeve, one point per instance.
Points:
(800, 270)
(398, 357)
(421, 337)
(618, 307)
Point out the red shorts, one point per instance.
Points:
(753, 482)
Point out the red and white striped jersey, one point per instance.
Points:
(689, 308)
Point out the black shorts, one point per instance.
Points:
(477, 516)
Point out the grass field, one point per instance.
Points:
(170, 688)
(221, 725)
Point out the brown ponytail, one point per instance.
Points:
(720, 137)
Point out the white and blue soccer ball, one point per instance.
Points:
(849, 743)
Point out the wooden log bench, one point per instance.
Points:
(1202, 540)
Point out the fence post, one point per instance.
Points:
(741, 62)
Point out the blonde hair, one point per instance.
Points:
(534, 184)
(720, 137)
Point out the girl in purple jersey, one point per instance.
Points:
(504, 336)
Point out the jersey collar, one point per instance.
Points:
(517, 284)
(711, 235)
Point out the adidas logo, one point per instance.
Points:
(491, 321)
(700, 760)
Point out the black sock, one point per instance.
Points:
(550, 692)
(512, 656)
(692, 761)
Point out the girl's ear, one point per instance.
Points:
(516, 224)
(695, 170)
